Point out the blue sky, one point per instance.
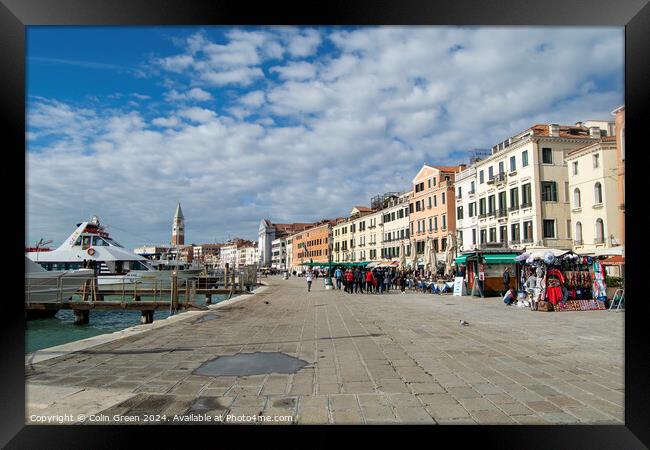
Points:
(285, 123)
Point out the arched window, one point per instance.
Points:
(600, 231)
(576, 198)
(598, 193)
(578, 232)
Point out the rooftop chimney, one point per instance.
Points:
(554, 130)
(594, 132)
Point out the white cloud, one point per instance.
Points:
(298, 71)
(197, 94)
(166, 121)
(195, 114)
(305, 43)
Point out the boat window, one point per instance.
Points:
(97, 241)
(138, 265)
(85, 242)
(78, 241)
(111, 241)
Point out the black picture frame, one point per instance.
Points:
(634, 15)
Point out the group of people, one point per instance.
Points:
(369, 281)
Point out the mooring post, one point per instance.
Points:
(174, 290)
(81, 316)
(225, 276)
(208, 299)
(146, 317)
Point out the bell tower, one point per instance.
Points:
(178, 227)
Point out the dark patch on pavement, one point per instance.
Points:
(243, 364)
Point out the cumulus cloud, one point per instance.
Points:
(197, 94)
(357, 118)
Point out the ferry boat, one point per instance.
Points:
(116, 266)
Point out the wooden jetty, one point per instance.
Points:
(133, 297)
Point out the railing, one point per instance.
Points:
(599, 240)
(515, 241)
(500, 178)
(513, 208)
(527, 240)
(471, 193)
(492, 213)
(526, 205)
(482, 216)
(577, 241)
(502, 212)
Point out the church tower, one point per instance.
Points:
(178, 227)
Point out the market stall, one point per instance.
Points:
(557, 280)
(484, 270)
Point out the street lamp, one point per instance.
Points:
(328, 280)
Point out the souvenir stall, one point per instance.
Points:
(484, 270)
(554, 280)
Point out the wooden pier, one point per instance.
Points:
(133, 297)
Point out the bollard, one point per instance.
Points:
(174, 290)
(81, 316)
(146, 317)
(208, 299)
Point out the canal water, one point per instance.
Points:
(45, 333)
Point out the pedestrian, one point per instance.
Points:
(369, 281)
(358, 279)
(338, 274)
(349, 279)
(387, 281)
(402, 283)
(506, 279)
(309, 278)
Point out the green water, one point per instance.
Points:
(45, 333)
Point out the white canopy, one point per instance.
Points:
(613, 251)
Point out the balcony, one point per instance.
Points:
(515, 242)
(514, 208)
(459, 196)
(471, 193)
(599, 240)
(577, 242)
(482, 216)
(490, 181)
(528, 240)
(526, 205)
(503, 212)
(492, 213)
(500, 178)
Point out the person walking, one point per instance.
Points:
(358, 279)
(369, 281)
(506, 279)
(309, 278)
(349, 278)
(402, 283)
(338, 274)
(388, 280)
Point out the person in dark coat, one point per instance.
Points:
(506, 279)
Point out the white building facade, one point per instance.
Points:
(396, 229)
(279, 254)
(523, 188)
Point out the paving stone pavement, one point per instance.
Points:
(375, 359)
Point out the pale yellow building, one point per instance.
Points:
(593, 185)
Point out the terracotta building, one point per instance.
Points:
(432, 209)
(312, 245)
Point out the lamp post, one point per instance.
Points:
(328, 281)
